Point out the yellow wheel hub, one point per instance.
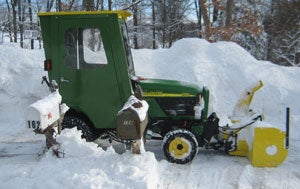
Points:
(178, 147)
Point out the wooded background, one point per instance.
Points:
(268, 29)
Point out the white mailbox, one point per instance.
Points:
(45, 112)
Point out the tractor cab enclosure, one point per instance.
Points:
(86, 56)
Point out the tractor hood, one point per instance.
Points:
(168, 88)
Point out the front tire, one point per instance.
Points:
(180, 146)
(87, 131)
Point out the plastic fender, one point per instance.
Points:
(268, 148)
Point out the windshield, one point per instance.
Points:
(127, 49)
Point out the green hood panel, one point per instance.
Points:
(168, 88)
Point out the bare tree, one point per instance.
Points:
(287, 51)
(88, 5)
(49, 5)
(135, 24)
(58, 5)
(9, 21)
(21, 22)
(99, 5)
(71, 2)
(229, 7)
(109, 4)
(199, 15)
(283, 28)
(31, 23)
(215, 10)
(170, 15)
(15, 27)
(205, 15)
(153, 26)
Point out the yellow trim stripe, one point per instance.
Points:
(122, 14)
(161, 94)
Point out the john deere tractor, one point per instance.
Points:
(89, 61)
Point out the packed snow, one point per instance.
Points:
(224, 67)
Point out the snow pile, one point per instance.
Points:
(21, 72)
(84, 166)
(225, 68)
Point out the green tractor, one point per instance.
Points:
(88, 58)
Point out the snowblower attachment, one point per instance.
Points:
(263, 145)
(45, 116)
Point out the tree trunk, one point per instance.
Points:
(71, 3)
(215, 14)
(199, 17)
(49, 5)
(31, 23)
(135, 25)
(15, 28)
(100, 5)
(58, 5)
(9, 25)
(164, 13)
(109, 4)
(21, 24)
(206, 20)
(88, 5)
(39, 7)
(153, 29)
(229, 7)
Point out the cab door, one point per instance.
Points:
(87, 77)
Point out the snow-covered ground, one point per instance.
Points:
(224, 67)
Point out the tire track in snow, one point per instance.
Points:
(21, 151)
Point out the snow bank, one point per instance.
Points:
(21, 72)
(227, 70)
(84, 166)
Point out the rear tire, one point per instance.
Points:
(180, 146)
(87, 131)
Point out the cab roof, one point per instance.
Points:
(121, 13)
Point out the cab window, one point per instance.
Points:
(84, 48)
